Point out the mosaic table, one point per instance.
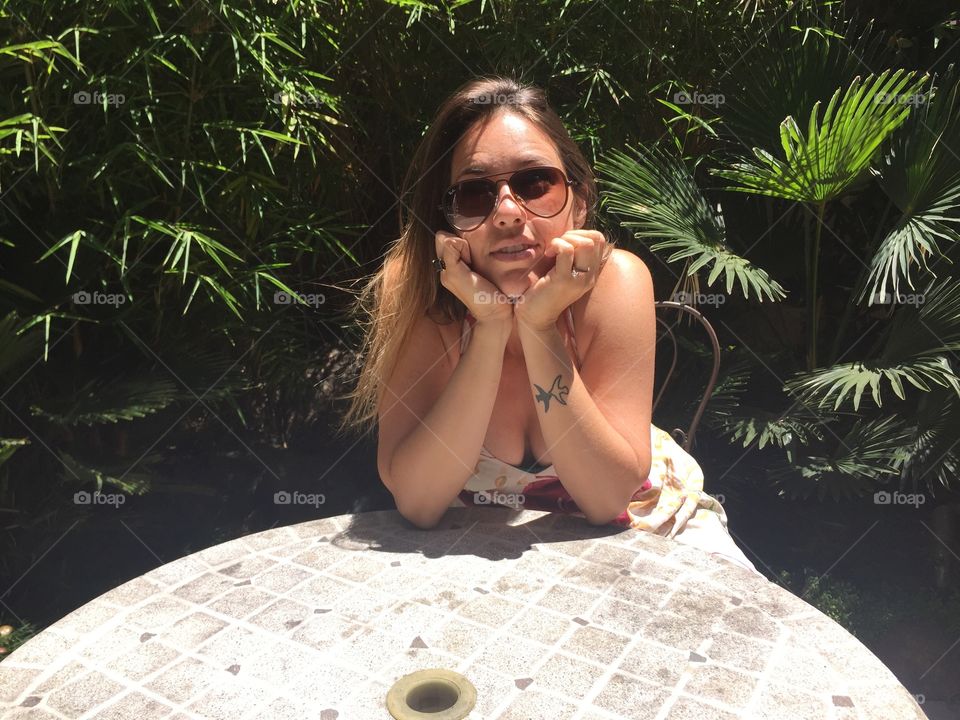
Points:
(546, 615)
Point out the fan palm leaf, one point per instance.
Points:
(915, 351)
(837, 148)
(932, 457)
(653, 192)
(103, 400)
(866, 455)
(774, 429)
(921, 175)
(806, 55)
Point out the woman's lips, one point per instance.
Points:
(527, 254)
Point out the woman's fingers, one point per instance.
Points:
(481, 297)
(588, 248)
(460, 246)
(565, 252)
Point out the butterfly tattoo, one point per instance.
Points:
(557, 391)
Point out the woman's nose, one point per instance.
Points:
(511, 208)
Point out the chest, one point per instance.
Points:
(513, 433)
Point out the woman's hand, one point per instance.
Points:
(482, 298)
(548, 296)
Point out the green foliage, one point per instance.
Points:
(837, 148)
(185, 163)
(837, 599)
(921, 175)
(870, 611)
(921, 339)
(165, 170)
(20, 634)
(653, 192)
(818, 436)
(769, 428)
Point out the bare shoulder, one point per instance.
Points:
(621, 284)
(623, 271)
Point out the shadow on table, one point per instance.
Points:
(503, 533)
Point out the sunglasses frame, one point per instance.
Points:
(496, 202)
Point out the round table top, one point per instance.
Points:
(547, 615)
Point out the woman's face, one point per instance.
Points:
(505, 143)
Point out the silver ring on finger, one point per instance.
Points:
(438, 264)
(577, 273)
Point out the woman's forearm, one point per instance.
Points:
(432, 464)
(595, 464)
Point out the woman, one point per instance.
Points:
(490, 395)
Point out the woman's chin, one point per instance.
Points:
(514, 286)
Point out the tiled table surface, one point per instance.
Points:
(548, 616)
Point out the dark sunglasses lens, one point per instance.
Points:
(542, 190)
(471, 203)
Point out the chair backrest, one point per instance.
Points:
(671, 309)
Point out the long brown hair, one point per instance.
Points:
(407, 286)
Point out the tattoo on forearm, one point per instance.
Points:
(557, 391)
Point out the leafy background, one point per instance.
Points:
(191, 192)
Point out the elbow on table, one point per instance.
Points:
(423, 522)
(600, 520)
(615, 512)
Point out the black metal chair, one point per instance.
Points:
(669, 308)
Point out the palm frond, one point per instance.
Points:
(915, 351)
(840, 380)
(769, 428)
(929, 328)
(807, 54)
(837, 148)
(921, 175)
(110, 400)
(653, 192)
(865, 457)
(932, 458)
(128, 481)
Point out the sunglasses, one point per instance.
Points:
(542, 190)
